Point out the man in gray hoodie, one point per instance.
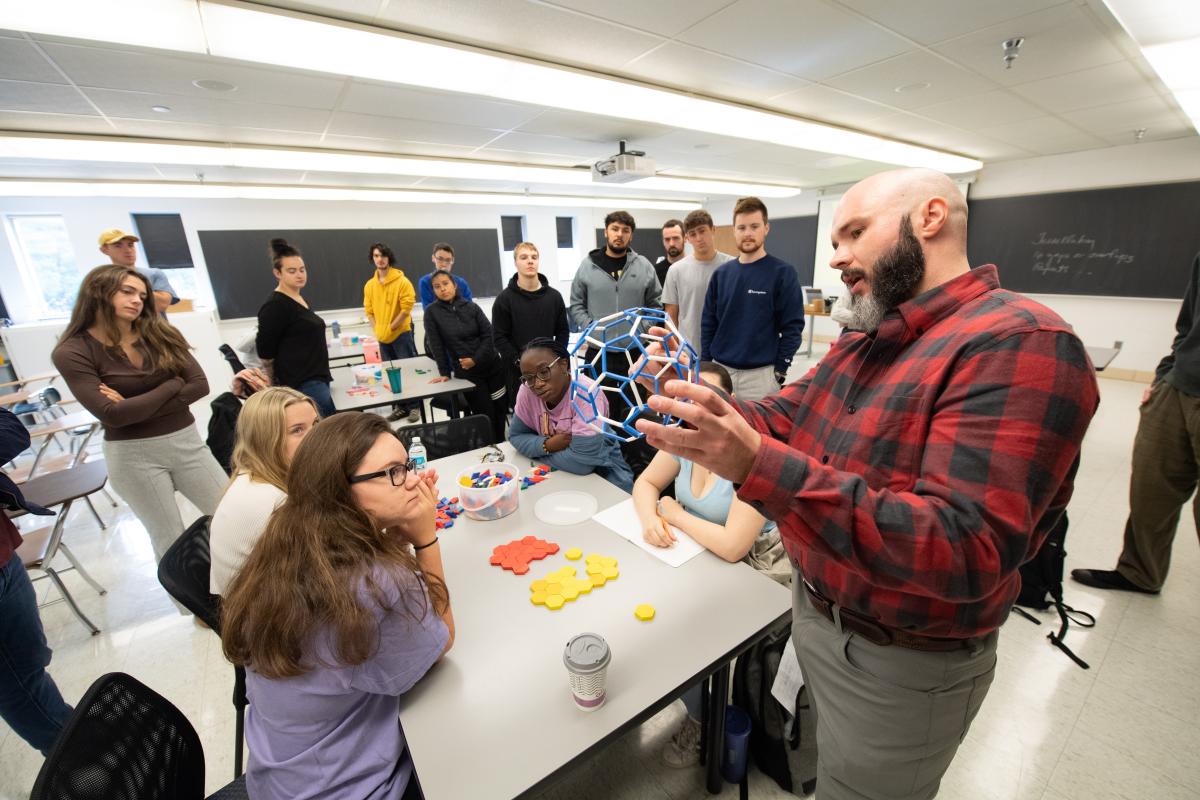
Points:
(611, 279)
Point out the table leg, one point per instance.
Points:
(705, 708)
(716, 728)
(812, 321)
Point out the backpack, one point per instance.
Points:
(1041, 588)
(769, 738)
(222, 428)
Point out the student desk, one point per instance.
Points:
(343, 352)
(416, 387)
(1102, 356)
(496, 718)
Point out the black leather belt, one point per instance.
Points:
(882, 635)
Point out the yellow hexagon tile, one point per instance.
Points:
(644, 612)
(574, 554)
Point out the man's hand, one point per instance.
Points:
(440, 379)
(1146, 395)
(466, 363)
(781, 378)
(717, 437)
(559, 441)
(396, 323)
(162, 301)
(249, 381)
(657, 349)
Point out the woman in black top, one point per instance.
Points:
(291, 338)
(460, 341)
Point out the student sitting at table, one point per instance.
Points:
(270, 427)
(545, 425)
(461, 342)
(706, 509)
(340, 608)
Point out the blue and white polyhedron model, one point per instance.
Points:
(628, 332)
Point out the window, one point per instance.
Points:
(566, 232)
(46, 262)
(512, 231)
(163, 240)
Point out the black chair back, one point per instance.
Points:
(124, 741)
(184, 570)
(450, 437)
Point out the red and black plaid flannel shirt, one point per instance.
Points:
(914, 470)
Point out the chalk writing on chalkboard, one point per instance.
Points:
(1072, 252)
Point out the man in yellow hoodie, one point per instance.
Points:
(388, 299)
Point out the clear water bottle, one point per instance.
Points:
(337, 329)
(416, 452)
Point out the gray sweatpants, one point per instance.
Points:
(889, 719)
(753, 384)
(147, 473)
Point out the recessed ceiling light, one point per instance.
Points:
(213, 86)
(161, 109)
(912, 87)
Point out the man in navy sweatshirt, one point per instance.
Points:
(754, 310)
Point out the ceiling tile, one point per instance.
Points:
(1045, 135)
(515, 144)
(605, 131)
(1062, 39)
(879, 82)
(403, 130)
(933, 133)
(20, 61)
(47, 97)
(107, 68)
(663, 17)
(54, 123)
(514, 26)
(386, 100)
(1120, 120)
(807, 38)
(978, 109)
(354, 10)
(826, 104)
(436, 149)
(1098, 86)
(165, 129)
(929, 21)
(705, 145)
(200, 110)
(691, 69)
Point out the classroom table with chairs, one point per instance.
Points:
(416, 386)
(502, 694)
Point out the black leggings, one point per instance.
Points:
(480, 400)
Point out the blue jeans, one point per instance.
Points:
(29, 701)
(318, 391)
(403, 346)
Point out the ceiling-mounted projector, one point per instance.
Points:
(625, 166)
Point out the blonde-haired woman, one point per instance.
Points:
(271, 426)
(135, 374)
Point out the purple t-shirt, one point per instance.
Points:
(335, 731)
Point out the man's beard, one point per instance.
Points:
(618, 249)
(748, 246)
(893, 281)
(674, 252)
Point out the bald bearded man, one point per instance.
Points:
(911, 473)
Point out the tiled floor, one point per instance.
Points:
(1127, 728)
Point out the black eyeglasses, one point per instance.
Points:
(542, 374)
(395, 474)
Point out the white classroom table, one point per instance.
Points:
(496, 718)
(415, 387)
(343, 352)
(1101, 356)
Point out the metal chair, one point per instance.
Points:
(184, 572)
(124, 741)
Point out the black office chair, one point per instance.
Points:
(184, 572)
(450, 437)
(124, 741)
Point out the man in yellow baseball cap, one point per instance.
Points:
(121, 249)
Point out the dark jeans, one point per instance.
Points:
(403, 346)
(318, 391)
(29, 701)
(483, 399)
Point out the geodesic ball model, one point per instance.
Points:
(627, 333)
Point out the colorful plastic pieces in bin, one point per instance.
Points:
(447, 512)
(517, 554)
(536, 475)
(485, 479)
(562, 586)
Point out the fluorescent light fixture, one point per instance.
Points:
(1168, 31)
(251, 33)
(163, 24)
(125, 151)
(237, 191)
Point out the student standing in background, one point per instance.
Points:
(134, 373)
(443, 259)
(529, 308)
(291, 337)
(754, 309)
(388, 298)
(672, 238)
(687, 282)
(121, 249)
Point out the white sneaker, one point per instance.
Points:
(684, 748)
(414, 415)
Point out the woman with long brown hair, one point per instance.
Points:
(134, 372)
(339, 609)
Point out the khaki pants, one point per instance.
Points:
(1164, 476)
(889, 720)
(753, 384)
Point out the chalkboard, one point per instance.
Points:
(1136, 241)
(338, 263)
(793, 239)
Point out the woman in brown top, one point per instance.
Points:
(133, 371)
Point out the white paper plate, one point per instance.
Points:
(565, 508)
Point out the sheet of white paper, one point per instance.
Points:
(788, 679)
(623, 519)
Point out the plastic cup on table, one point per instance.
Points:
(586, 657)
(394, 375)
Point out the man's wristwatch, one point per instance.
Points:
(781, 378)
